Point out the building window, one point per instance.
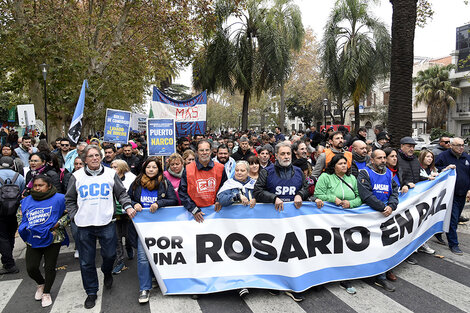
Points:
(386, 97)
(465, 130)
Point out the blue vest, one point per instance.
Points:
(381, 184)
(147, 197)
(284, 189)
(360, 165)
(38, 219)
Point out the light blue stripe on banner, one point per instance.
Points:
(261, 210)
(301, 283)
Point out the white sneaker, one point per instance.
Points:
(426, 249)
(76, 255)
(46, 300)
(39, 292)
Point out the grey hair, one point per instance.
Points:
(282, 144)
(82, 143)
(243, 162)
(88, 148)
(452, 140)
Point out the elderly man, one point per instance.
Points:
(223, 157)
(444, 145)
(378, 190)
(90, 201)
(200, 182)
(360, 157)
(282, 182)
(337, 143)
(456, 156)
(408, 164)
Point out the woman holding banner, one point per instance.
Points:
(150, 190)
(340, 188)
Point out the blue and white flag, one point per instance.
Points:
(189, 115)
(295, 249)
(75, 128)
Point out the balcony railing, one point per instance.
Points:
(463, 107)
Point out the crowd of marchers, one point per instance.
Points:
(96, 188)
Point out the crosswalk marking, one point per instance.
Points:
(262, 302)
(440, 286)
(71, 297)
(162, 304)
(7, 289)
(367, 299)
(461, 260)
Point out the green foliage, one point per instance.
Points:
(436, 133)
(178, 92)
(121, 47)
(434, 88)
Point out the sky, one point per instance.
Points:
(436, 39)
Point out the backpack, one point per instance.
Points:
(9, 196)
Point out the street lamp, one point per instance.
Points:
(325, 103)
(44, 67)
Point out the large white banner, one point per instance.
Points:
(296, 249)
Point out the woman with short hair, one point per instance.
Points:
(174, 172)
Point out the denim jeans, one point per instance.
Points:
(87, 249)
(457, 207)
(144, 271)
(74, 229)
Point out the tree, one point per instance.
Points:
(434, 88)
(356, 52)
(121, 47)
(250, 55)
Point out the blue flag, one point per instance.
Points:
(75, 129)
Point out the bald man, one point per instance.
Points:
(360, 157)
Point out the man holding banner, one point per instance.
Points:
(378, 190)
(201, 181)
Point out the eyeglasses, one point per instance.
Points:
(459, 146)
(93, 156)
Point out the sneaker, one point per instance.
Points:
(297, 297)
(46, 300)
(384, 284)
(348, 287)
(426, 249)
(130, 253)
(90, 301)
(391, 276)
(456, 250)
(243, 292)
(440, 240)
(108, 280)
(273, 292)
(118, 268)
(76, 254)
(39, 292)
(144, 296)
(11, 270)
(411, 260)
(463, 219)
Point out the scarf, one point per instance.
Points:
(35, 173)
(406, 157)
(359, 158)
(39, 196)
(175, 174)
(148, 182)
(394, 171)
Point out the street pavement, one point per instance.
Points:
(436, 284)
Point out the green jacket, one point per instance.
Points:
(329, 187)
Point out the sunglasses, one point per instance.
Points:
(446, 142)
(64, 145)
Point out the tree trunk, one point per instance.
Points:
(401, 70)
(357, 117)
(282, 109)
(246, 100)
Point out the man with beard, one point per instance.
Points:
(279, 183)
(25, 150)
(378, 190)
(360, 157)
(109, 155)
(131, 159)
(336, 144)
(201, 181)
(300, 152)
(223, 157)
(244, 151)
(264, 155)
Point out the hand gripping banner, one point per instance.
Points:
(295, 249)
(189, 115)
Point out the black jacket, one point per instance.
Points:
(134, 163)
(408, 170)
(166, 196)
(237, 156)
(49, 171)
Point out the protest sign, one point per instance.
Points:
(161, 136)
(295, 249)
(26, 115)
(189, 115)
(138, 122)
(116, 127)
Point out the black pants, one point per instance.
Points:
(8, 227)
(33, 261)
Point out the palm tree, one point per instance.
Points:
(252, 54)
(401, 69)
(356, 52)
(434, 88)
